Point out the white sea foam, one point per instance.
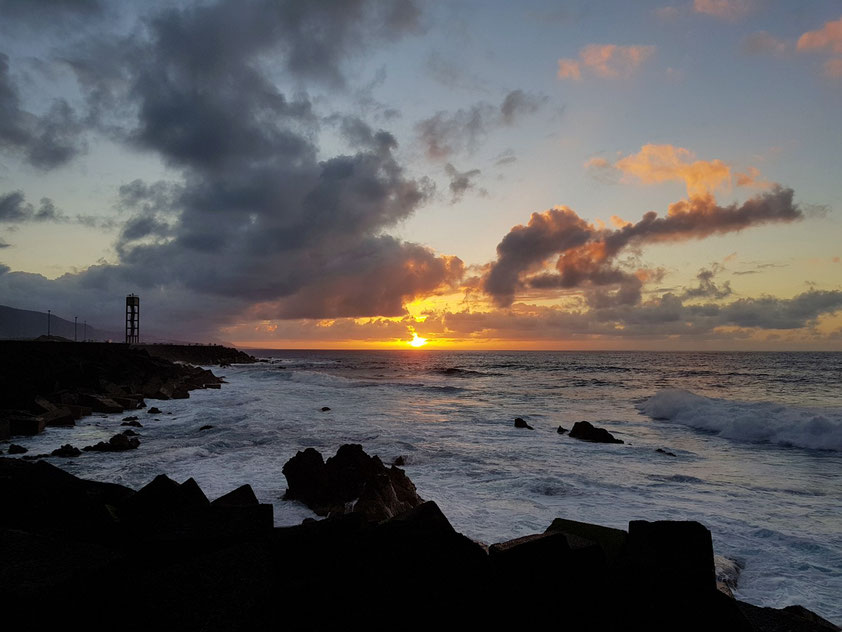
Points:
(759, 422)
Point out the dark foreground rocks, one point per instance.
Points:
(165, 557)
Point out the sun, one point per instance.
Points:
(417, 341)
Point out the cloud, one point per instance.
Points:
(707, 288)
(46, 141)
(763, 43)
(607, 61)
(259, 213)
(731, 10)
(826, 39)
(586, 253)
(461, 182)
(661, 163)
(447, 133)
(15, 209)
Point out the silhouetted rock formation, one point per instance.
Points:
(205, 355)
(54, 383)
(351, 481)
(586, 431)
(520, 423)
(165, 557)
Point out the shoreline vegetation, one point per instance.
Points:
(166, 556)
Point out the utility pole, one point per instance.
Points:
(49, 313)
(75, 322)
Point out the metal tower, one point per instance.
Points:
(132, 319)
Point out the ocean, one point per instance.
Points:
(757, 439)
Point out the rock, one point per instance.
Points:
(325, 409)
(788, 619)
(134, 424)
(23, 423)
(66, 450)
(678, 553)
(727, 574)
(154, 411)
(662, 451)
(523, 557)
(332, 487)
(17, 449)
(60, 416)
(130, 433)
(561, 430)
(101, 404)
(399, 461)
(611, 541)
(243, 496)
(520, 423)
(207, 427)
(587, 432)
(117, 443)
(130, 418)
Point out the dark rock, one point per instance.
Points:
(33, 457)
(207, 427)
(243, 496)
(587, 432)
(325, 409)
(131, 418)
(561, 430)
(154, 411)
(130, 433)
(66, 450)
(17, 449)
(678, 553)
(23, 423)
(662, 451)
(399, 461)
(117, 443)
(523, 557)
(101, 404)
(788, 619)
(611, 541)
(329, 488)
(520, 423)
(133, 424)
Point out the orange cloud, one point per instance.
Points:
(662, 163)
(829, 38)
(724, 9)
(751, 178)
(607, 61)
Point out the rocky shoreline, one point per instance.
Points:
(165, 557)
(56, 383)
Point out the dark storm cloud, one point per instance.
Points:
(447, 133)
(461, 182)
(46, 141)
(15, 209)
(586, 253)
(707, 287)
(258, 216)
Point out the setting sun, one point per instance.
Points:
(417, 341)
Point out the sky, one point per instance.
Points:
(473, 174)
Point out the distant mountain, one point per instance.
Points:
(24, 324)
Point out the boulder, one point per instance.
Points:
(325, 409)
(23, 423)
(662, 451)
(350, 481)
(130, 433)
(130, 418)
(243, 496)
(588, 432)
(101, 404)
(678, 553)
(399, 461)
(133, 424)
(206, 427)
(66, 450)
(17, 449)
(153, 411)
(117, 443)
(520, 423)
(612, 541)
(561, 430)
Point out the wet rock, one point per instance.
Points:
(206, 427)
(117, 443)
(727, 574)
(17, 449)
(154, 411)
(588, 432)
(520, 423)
(350, 481)
(130, 433)
(561, 430)
(66, 450)
(662, 451)
(130, 418)
(399, 461)
(325, 409)
(134, 424)
(243, 496)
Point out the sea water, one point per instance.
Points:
(757, 439)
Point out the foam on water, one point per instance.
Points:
(763, 422)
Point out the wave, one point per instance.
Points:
(316, 378)
(757, 422)
(457, 372)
